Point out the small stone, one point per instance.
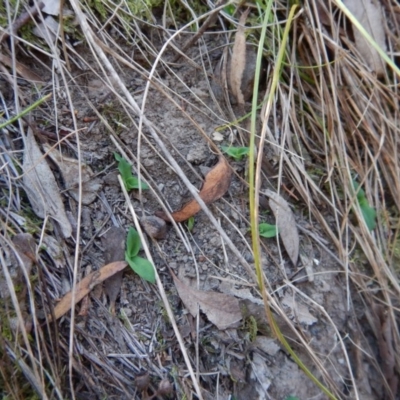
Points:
(198, 154)
(164, 387)
(142, 380)
(155, 227)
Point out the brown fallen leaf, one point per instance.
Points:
(114, 250)
(41, 186)
(86, 285)
(286, 224)
(69, 168)
(216, 184)
(221, 309)
(238, 60)
(369, 13)
(22, 70)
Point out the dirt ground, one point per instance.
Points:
(119, 346)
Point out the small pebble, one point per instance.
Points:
(155, 227)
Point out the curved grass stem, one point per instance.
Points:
(254, 181)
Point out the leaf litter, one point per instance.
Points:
(221, 309)
(370, 15)
(171, 246)
(86, 285)
(41, 186)
(286, 224)
(216, 184)
(69, 168)
(238, 61)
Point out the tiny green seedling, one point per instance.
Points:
(140, 265)
(236, 152)
(125, 169)
(267, 230)
(190, 224)
(368, 212)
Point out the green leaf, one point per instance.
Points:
(368, 212)
(117, 157)
(267, 230)
(133, 244)
(190, 223)
(125, 169)
(236, 152)
(230, 9)
(144, 268)
(133, 183)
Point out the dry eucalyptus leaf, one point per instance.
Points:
(221, 309)
(238, 60)
(286, 224)
(114, 250)
(299, 310)
(215, 185)
(86, 285)
(69, 168)
(369, 14)
(21, 69)
(41, 187)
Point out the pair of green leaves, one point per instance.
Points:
(236, 152)
(141, 266)
(125, 170)
(267, 230)
(367, 211)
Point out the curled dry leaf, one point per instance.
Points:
(369, 14)
(69, 168)
(286, 224)
(41, 187)
(221, 309)
(238, 61)
(216, 184)
(86, 285)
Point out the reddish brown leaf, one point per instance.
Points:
(216, 184)
(86, 285)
